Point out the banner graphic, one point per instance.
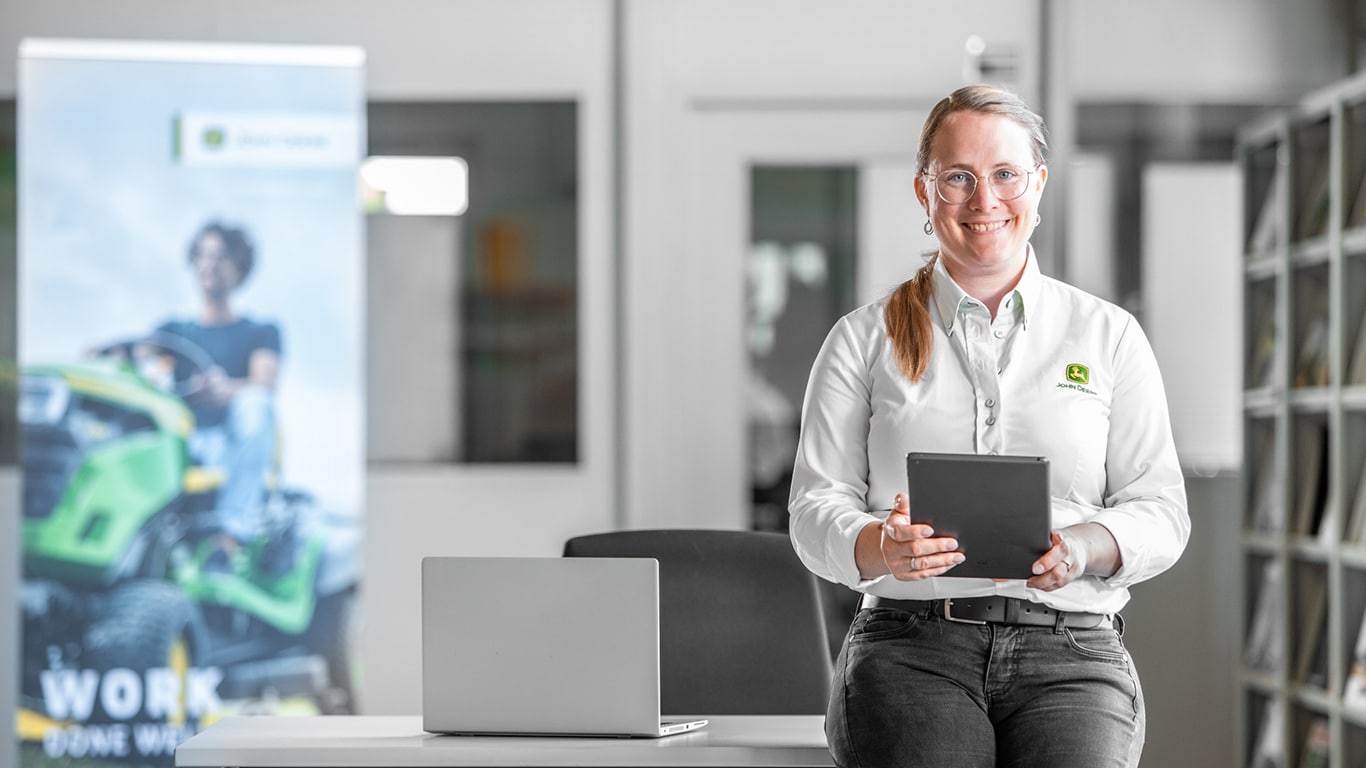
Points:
(190, 401)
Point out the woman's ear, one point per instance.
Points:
(1043, 176)
(922, 193)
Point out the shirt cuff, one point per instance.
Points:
(1125, 529)
(842, 546)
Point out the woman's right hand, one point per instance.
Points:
(907, 550)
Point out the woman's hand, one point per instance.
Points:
(1077, 550)
(908, 551)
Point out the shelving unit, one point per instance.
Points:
(1301, 682)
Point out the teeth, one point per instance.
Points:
(986, 227)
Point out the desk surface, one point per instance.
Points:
(399, 742)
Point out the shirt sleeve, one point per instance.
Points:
(1145, 496)
(828, 505)
(268, 337)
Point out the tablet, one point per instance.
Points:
(998, 507)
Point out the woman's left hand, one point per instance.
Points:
(1078, 550)
(1061, 565)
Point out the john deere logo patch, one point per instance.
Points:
(1078, 373)
(214, 138)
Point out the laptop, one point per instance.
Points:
(544, 646)
(998, 507)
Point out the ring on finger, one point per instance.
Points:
(1069, 565)
(913, 562)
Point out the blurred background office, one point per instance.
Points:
(670, 201)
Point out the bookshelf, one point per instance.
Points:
(1301, 678)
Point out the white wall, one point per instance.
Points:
(415, 48)
(1211, 51)
(1192, 302)
(1091, 225)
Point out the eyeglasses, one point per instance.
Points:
(957, 186)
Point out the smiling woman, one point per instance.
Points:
(983, 228)
(980, 353)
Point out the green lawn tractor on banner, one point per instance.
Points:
(123, 623)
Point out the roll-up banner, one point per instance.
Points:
(190, 390)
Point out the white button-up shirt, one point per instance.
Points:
(1059, 373)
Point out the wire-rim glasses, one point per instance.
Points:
(957, 186)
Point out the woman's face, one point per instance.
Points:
(984, 237)
(217, 273)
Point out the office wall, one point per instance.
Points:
(1182, 631)
(684, 57)
(1212, 51)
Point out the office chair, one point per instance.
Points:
(839, 604)
(740, 620)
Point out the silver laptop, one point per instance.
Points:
(542, 646)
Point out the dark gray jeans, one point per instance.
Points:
(913, 690)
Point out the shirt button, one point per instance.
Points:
(991, 403)
(1000, 333)
(991, 420)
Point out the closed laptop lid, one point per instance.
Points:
(527, 645)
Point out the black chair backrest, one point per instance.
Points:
(740, 619)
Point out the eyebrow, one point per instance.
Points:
(966, 167)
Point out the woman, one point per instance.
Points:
(981, 353)
(234, 400)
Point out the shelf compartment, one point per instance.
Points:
(1310, 193)
(1264, 480)
(1259, 310)
(1354, 179)
(1353, 336)
(1263, 196)
(1309, 503)
(1309, 628)
(1309, 327)
(1264, 635)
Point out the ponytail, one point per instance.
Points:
(908, 322)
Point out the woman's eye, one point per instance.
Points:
(1007, 174)
(958, 177)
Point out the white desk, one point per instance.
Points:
(400, 742)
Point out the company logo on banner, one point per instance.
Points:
(190, 405)
(280, 140)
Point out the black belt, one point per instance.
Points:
(993, 609)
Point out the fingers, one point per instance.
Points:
(1062, 564)
(919, 567)
(911, 550)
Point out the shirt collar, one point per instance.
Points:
(949, 296)
(1027, 290)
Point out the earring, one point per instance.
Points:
(1037, 219)
(929, 228)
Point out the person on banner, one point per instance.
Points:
(233, 399)
(980, 353)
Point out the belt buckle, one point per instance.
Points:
(948, 614)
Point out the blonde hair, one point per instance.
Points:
(907, 314)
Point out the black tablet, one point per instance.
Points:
(998, 507)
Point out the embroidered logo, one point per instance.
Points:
(1078, 373)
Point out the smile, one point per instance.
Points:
(988, 227)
